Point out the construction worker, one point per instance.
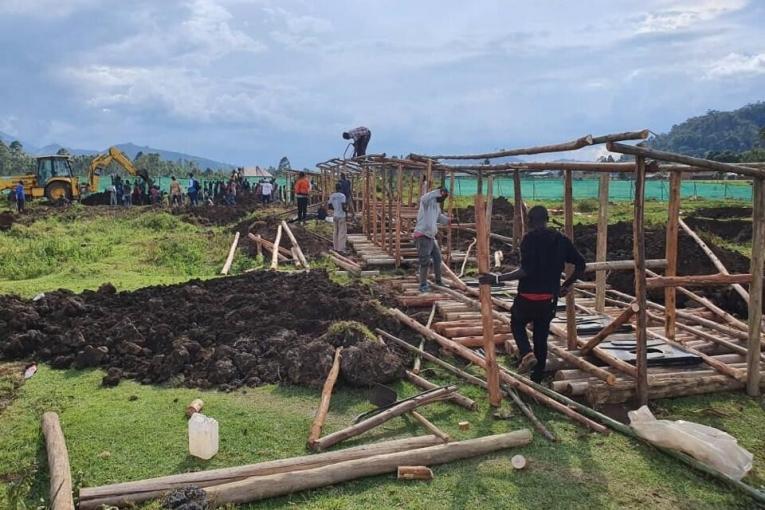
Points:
(339, 204)
(544, 252)
(193, 190)
(302, 191)
(429, 215)
(360, 137)
(175, 192)
(20, 198)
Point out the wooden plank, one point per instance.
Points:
(673, 219)
(638, 254)
(451, 219)
(275, 252)
(755, 300)
(701, 280)
(231, 253)
(601, 251)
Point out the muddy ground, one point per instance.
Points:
(313, 245)
(254, 329)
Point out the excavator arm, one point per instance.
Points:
(113, 155)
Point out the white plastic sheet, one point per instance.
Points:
(709, 445)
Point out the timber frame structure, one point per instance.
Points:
(385, 194)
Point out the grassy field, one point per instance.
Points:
(134, 431)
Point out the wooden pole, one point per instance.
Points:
(418, 358)
(755, 289)
(451, 219)
(489, 207)
(673, 218)
(715, 260)
(622, 265)
(456, 398)
(429, 175)
(429, 426)
(60, 493)
(231, 253)
(326, 396)
(601, 252)
(568, 209)
(638, 249)
(615, 324)
(374, 206)
(702, 280)
(262, 487)
(275, 252)
(492, 372)
(370, 423)
(526, 410)
(518, 219)
(399, 199)
(295, 245)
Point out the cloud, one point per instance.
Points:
(680, 15)
(736, 64)
(44, 8)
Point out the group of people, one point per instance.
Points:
(138, 193)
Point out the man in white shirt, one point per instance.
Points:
(337, 202)
(265, 191)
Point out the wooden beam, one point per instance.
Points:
(399, 199)
(702, 280)
(601, 250)
(59, 473)
(451, 219)
(429, 426)
(231, 253)
(295, 245)
(518, 219)
(326, 395)
(568, 211)
(615, 324)
(755, 300)
(275, 252)
(457, 398)
(623, 265)
(492, 371)
(638, 254)
(489, 208)
(673, 220)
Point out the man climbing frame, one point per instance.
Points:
(360, 137)
(544, 253)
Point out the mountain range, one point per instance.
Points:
(128, 148)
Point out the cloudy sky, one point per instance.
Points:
(249, 81)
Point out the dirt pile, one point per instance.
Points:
(258, 328)
(219, 214)
(6, 220)
(101, 198)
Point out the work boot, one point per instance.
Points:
(424, 287)
(528, 362)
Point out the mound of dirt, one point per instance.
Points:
(311, 244)
(735, 230)
(6, 220)
(101, 198)
(219, 214)
(258, 328)
(723, 212)
(502, 211)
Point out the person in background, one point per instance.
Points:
(265, 191)
(126, 197)
(193, 191)
(347, 190)
(137, 199)
(544, 252)
(120, 190)
(112, 194)
(360, 137)
(302, 191)
(337, 202)
(175, 192)
(20, 197)
(429, 215)
(154, 192)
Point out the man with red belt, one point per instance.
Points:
(544, 252)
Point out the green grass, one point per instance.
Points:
(81, 249)
(133, 432)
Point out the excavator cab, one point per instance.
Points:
(55, 174)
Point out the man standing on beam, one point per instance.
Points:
(429, 215)
(360, 137)
(544, 253)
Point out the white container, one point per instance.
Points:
(203, 436)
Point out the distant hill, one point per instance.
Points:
(128, 148)
(736, 131)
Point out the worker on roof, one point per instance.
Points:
(302, 190)
(544, 252)
(429, 215)
(360, 137)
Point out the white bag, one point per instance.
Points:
(713, 447)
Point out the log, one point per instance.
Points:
(568, 210)
(295, 245)
(370, 423)
(275, 251)
(60, 492)
(623, 265)
(479, 341)
(601, 250)
(284, 254)
(345, 265)
(326, 396)
(457, 398)
(638, 254)
(430, 426)
(702, 280)
(414, 473)
(673, 221)
(231, 253)
(127, 493)
(615, 324)
(453, 277)
(492, 372)
(754, 378)
(417, 358)
(581, 363)
(473, 357)
(472, 331)
(195, 406)
(536, 422)
(518, 461)
(262, 487)
(518, 219)
(464, 426)
(467, 256)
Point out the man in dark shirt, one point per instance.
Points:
(544, 252)
(360, 137)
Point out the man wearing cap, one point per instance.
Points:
(544, 252)
(429, 215)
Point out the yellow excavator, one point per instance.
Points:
(53, 178)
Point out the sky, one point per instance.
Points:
(250, 81)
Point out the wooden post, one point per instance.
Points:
(430, 426)
(638, 254)
(429, 175)
(231, 253)
(601, 253)
(374, 205)
(300, 256)
(755, 289)
(451, 218)
(489, 207)
(399, 199)
(673, 218)
(275, 253)
(568, 209)
(518, 219)
(623, 318)
(326, 395)
(60, 475)
(365, 204)
(410, 201)
(487, 319)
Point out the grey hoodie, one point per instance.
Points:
(429, 215)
